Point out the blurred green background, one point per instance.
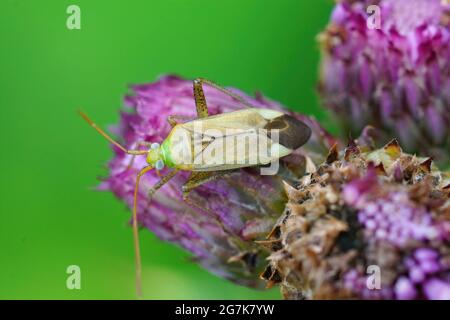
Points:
(49, 216)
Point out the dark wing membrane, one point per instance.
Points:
(293, 133)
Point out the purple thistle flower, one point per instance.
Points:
(427, 277)
(365, 208)
(241, 207)
(405, 290)
(389, 214)
(397, 77)
(437, 289)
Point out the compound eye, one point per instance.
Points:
(159, 165)
(154, 146)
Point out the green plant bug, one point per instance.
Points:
(211, 146)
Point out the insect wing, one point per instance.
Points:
(226, 123)
(241, 149)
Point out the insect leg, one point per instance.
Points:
(162, 182)
(107, 137)
(197, 179)
(201, 81)
(173, 119)
(200, 100)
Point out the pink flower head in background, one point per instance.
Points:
(395, 77)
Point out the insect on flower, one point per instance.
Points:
(213, 146)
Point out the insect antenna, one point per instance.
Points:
(152, 191)
(107, 137)
(135, 223)
(137, 251)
